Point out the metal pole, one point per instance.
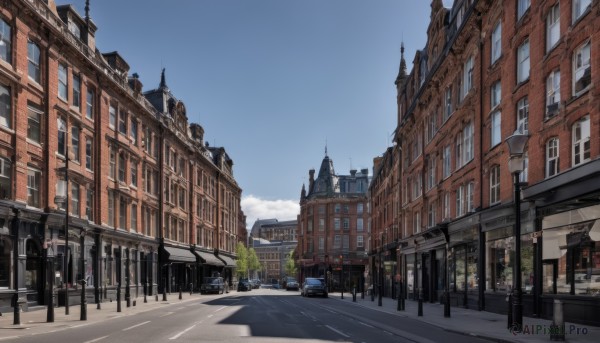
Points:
(518, 305)
(380, 276)
(50, 271)
(164, 283)
(66, 257)
(127, 281)
(447, 288)
(83, 304)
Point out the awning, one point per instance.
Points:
(180, 255)
(209, 258)
(229, 262)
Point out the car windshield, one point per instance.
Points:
(212, 280)
(313, 282)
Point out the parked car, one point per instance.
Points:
(244, 285)
(292, 284)
(314, 286)
(255, 283)
(212, 285)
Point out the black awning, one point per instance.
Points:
(180, 255)
(229, 262)
(209, 258)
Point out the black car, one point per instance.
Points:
(244, 285)
(212, 285)
(314, 286)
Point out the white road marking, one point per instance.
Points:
(209, 316)
(219, 309)
(186, 330)
(166, 314)
(181, 308)
(3, 338)
(136, 325)
(96, 339)
(337, 331)
(365, 324)
(309, 316)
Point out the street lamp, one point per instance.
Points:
(516, 147)
(380, 276)
(59, 201)
(342, 277)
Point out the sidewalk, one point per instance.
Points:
(476, 323)
(34, 321)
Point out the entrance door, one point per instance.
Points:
(425, 271)
(33, 269)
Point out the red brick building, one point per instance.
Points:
(148, 202)
(490, 69)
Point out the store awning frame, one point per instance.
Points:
(179, 255)
(229, 262)
(209, 258)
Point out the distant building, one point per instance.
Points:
(333, 225)
(274, 230)
(272, 257)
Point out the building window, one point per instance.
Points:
(446, 159)
(123, 122)
(111, 209)
(321, 224)
(458, 154)
(62, 136)
(522, 7)
(469, 146)
(121, 167)
(337, 241)
(359, 208)
(112, 173)
(552, 93)
(34, 177)
(122, 213)
(62, 81)
(134, 217)
(75, 199)
(467, 77)
(523, 115)
(33, 59)
(416, 222)
(134, 170)
(337, 224)
(89, 205)
(5, 106)
(552, 27)
(89, 104)
(134, 130)
(580, 7)
(552, 152)
(88, 153)
(112, 117)
(523, 62)
(495, 136)
(431, 172)
(524, 174)
(346, 223)
(495, 185)
(5, 178)
(321, 243)
(496, 42)
(5, 42)
(448, 103)
(495, 94)
(34, 117)
(75, 143)
(359, 224)
(582, 74)
(469, 197)
(446, 205)
(460, 201)
(581, 141)
(76, 91)
(360, 243)
(431, 214)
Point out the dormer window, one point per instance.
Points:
(74, 28)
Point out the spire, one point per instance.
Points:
(402, 72)
(163, 83)
(87, 11)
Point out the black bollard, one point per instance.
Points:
(180, 292)
(372, 293)
(354, 294)
(83, 304)
(191, 285)
(420, 309)
(119, 297)
(509, 324)
(145, 291)
(446, 304)
(557, 329)
(400, 296)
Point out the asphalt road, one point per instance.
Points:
(264, 315)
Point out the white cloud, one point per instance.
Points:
(256, 208)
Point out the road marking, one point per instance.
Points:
(135, 326)
(184, 331)
(367, 325)
(96, 340)
(309, 316)
(181, 308)
(209, 316)
(337, 331)
(166, 314)
(219, 309)
(3, 338)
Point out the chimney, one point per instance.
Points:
(197, 133)
(353, 172)
(311, 179)
(135, 83)
(365, 171)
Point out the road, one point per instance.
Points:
(263, 315)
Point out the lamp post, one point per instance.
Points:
(83, 304)
(342, 272)
(380, 276)
(516, 146)
(60, 200)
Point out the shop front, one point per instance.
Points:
(463, 262)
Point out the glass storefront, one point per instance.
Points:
(500, 260)
(463, 261)
(410, 274)
(571, 252)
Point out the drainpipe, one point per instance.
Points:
(481, 241)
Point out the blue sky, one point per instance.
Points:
(273, 81)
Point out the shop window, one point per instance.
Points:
(5, 259)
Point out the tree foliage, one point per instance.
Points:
(290, 265)
(242, 260)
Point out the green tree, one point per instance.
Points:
(242, 260)
(290, 265)
(253, 262)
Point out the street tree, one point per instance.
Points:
(253, 262)
(242, 260)
(290, 265)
